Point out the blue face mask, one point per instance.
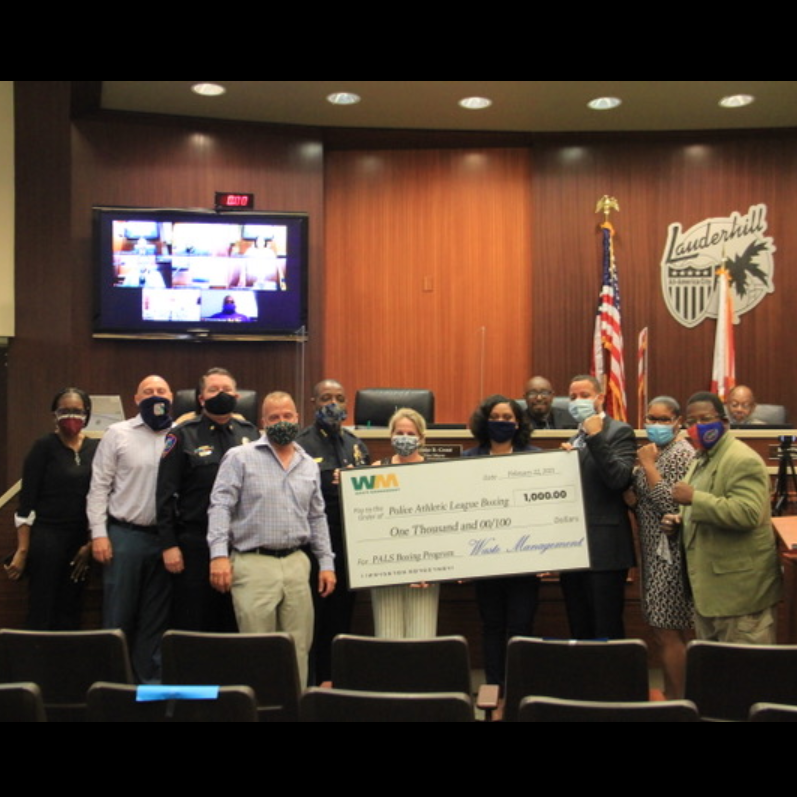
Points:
(581, 409)
(707, 435)
(660, 435)
(331, 415)
(501, 431)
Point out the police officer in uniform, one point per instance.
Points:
(333, 448)
(191, 458)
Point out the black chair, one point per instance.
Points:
(441, 664)
(553, 709)
(266, 662)
(725, 680)
(344, 705)
(773, 712)
(21, 703)
(375, 406)
(108, 702)
(613, 671)
(770, 415)
(64, 664)
(185, 401)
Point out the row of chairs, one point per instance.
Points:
(106, 702)
(65, 665)
(112, 702)
(723, 681)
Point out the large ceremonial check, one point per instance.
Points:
(465, 518)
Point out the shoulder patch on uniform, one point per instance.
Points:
(168, 445)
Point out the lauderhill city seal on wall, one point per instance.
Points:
(691, 259)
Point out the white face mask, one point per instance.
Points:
(405, 445)
(581, 409)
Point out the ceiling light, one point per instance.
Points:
(736, 101)
(208, 89)
(343, 98)
(475, 103)
(604, 103)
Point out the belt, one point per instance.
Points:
(277, 553)
(132, 526)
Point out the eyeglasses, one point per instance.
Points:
(539, 393)
(652, 419)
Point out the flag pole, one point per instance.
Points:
(723, 370)
(606, 204)
(608, 335)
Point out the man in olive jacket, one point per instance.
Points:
(731, 557)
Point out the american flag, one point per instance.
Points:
(723, 372)
(608, 337)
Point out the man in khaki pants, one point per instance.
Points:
(265, 506)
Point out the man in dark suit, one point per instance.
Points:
(607, 452)
(539, 395)
(332, 447)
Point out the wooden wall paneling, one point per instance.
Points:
(42, 355)
(63, 169)
(659, 180)
(423, 251)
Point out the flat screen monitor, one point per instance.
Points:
(200, 274)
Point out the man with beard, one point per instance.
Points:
(542, 414)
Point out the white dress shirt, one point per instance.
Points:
(124, 476)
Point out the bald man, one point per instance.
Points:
(741, 407)
(124, 531)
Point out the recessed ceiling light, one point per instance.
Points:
(604, 103)
(737, 101)
(475, 103)
(343, 98)
(208, 89)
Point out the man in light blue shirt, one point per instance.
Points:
(265, 506)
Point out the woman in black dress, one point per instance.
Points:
(53, 545)
(507, 605)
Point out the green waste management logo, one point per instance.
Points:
(375, 483)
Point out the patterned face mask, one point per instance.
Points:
(282, 433)
(405, 445)
(331, 415)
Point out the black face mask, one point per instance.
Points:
(221, 404)
(155, 413)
